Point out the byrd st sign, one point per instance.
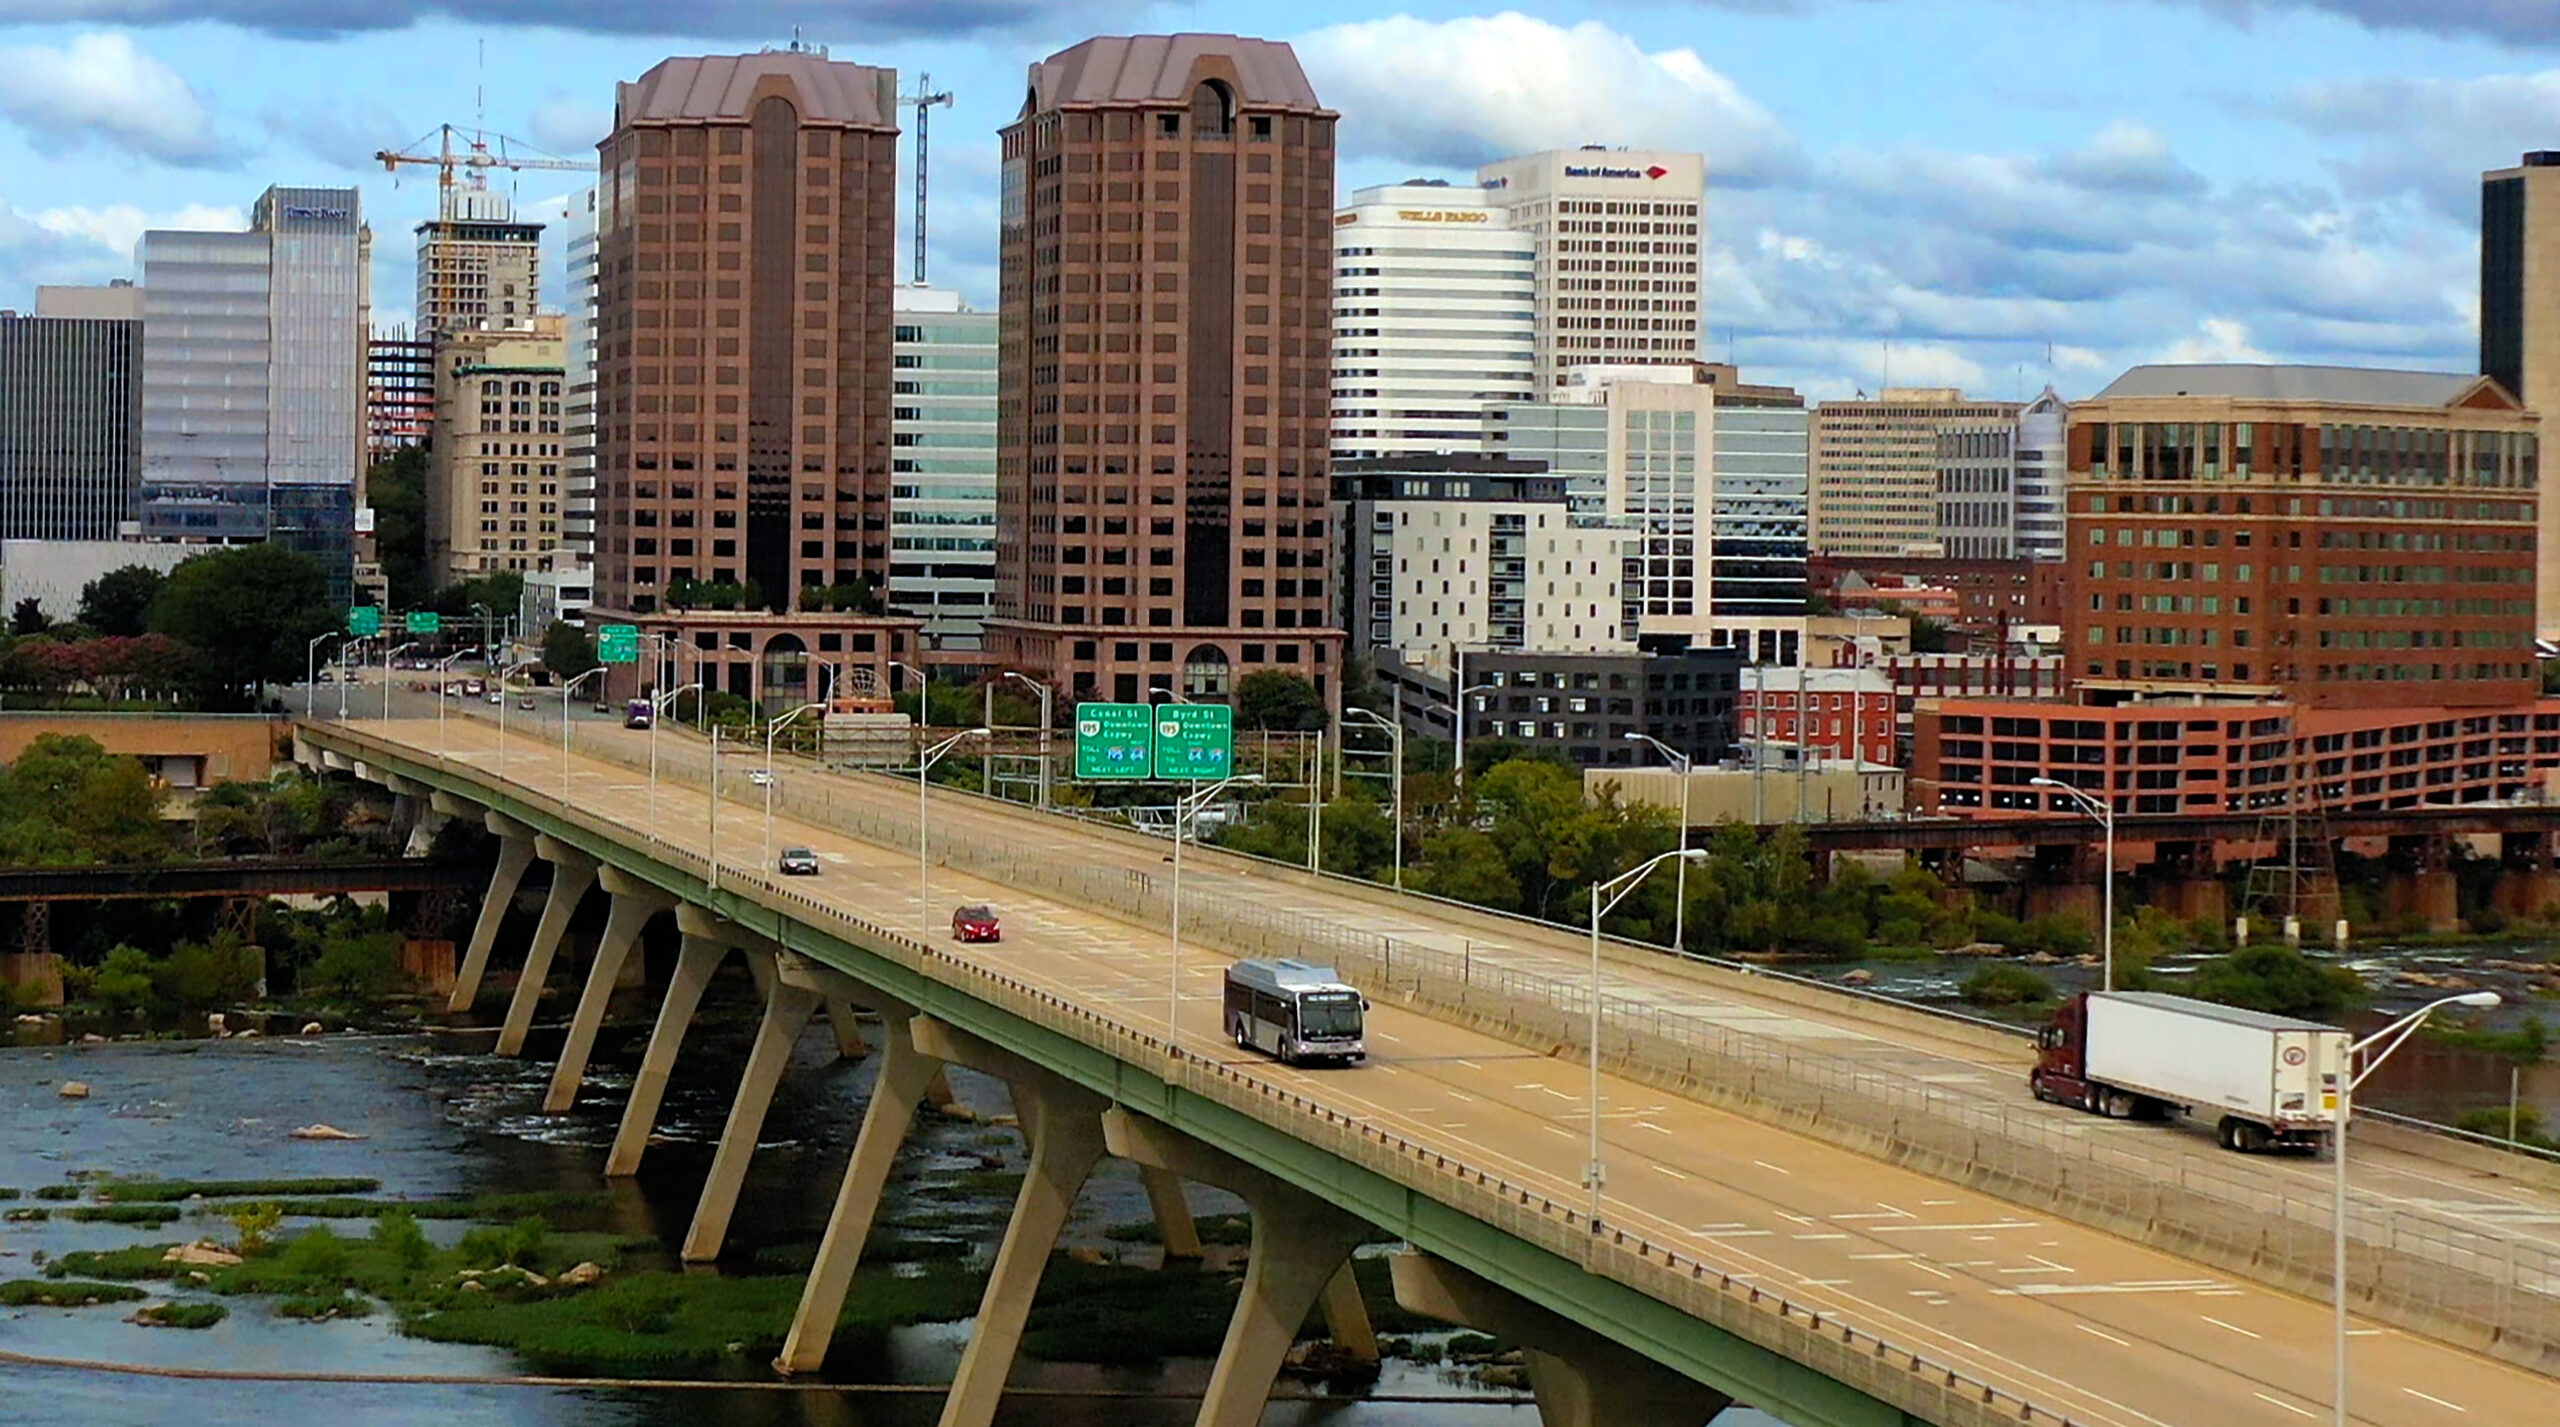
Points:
(1195, 741)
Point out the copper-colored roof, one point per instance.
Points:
(699, 88)
(1156, 69)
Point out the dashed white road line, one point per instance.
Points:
(2243, 1332)
(1764, 1164)
(2438, 1401)
(2287, 1406)
(2100, 1333)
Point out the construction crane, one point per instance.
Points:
(924, 100)
(475, 157)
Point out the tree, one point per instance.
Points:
(249, 612)
(396, 488)
(1928, 636)
(567, 651)
(28, 617)
(857, 597)
(2279, 980)
(67, 800)
(1278, 699)
(1464, 865)
(118, 603)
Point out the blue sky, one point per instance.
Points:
(1942, 191)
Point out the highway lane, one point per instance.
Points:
(2110, 1331)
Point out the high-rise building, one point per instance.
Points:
(1166, 362)
(495, 486)
(254, 360)
(399, 391)
(942, 501)
(745, 216)
(1620, 242)
(1434, 318)
(2036, 504)
(2520, 326)
(1875, 472)
(478, 264)
(70, 415)
(2335, 536)
(578, 374)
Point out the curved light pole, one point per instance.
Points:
(1680, 896)
(444, 666)
(925, 758)
(387, 656)
(771, 729)
(1605, 895)
(657, 711)
(566, 686)
(506, 671)
(1395, 736)
(1183, 808)
(1457, 707)
(311, 671)
(2105, 813)
(2348, 1079)
(1045, 693)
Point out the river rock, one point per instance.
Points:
(216, 1025)
(203, 1253)
(473, 1285)
(582, 1275)
(92, 1038)
(324, 1132)
(31, 1020)
(311, 1028)
(74, 1090)
(250, 1033)
(1859, 977)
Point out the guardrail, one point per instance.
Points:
(2414, 1270)
(1930, 1387)
(2469, 1137)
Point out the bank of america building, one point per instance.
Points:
(253, 372)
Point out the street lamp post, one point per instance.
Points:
(1680, 894)
(1044, 692)
(566, 687)
(1605, 895)
(2105, 813)
(2392, 1036)
(1457, 707)
(1183, 808)
(771, 729)
(1395, 736)
(444, 667)
(387, 656)
(506, 671)
(657, 711)
(925, 758)
(311, 672)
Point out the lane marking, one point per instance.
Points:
(1949, 1228)
(2098, 1333)
(1931, 1268)
(1666, 1169)
(1810, 1238)
(2287, 1406)
(2243, 1332)
(2438, 1401)
(1882, 1258)
(1773, 1169)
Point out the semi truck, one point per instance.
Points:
(2263, 1081)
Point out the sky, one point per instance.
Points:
(1993, 194)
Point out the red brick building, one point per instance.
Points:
(1984, 592)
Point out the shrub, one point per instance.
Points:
(398, 1234)
(256, 1224)
(2006, 986)
(2279, 980)
(63, 1293)
(123, 983)
(181, 1315)
(317, 1253)
(58, 1191)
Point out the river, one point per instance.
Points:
(442, 1117)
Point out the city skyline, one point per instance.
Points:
(1942, 224)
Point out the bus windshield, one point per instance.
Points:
(1331, 1015)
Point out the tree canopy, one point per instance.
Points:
(118, 603)
(567, 651)
(1279, 700)
(68, 800)
(250, 612)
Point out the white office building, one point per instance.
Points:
(1434, 319)
(1619, 240)
(942, 459)
(2044, 429)
(578, 379)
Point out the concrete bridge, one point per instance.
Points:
(1838, 1212)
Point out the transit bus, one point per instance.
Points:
(1295, 1011)
(640, 713)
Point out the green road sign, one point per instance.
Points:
(364, 621)
(425, 621)
(618, 644)
(1195, 741)
(1114, 741)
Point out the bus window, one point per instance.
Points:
(1328, 1016)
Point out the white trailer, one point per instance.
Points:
(2262, 1080)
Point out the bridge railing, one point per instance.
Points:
(2436, 1275)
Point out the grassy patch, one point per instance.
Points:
(25, 1216)
(477, 1206)
(1090, 1313)
(322, 1307)
(181, 1315)
(154, 1215)
(169, 1191)
(136, 1261)
(62, 1293)
(58, 1191)
(7, 1193)
(1214, 1229)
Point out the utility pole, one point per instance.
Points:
(924, 100)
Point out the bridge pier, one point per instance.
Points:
(635, 904)
(707, 941)
(515, 854)
(1301, 1244)
(1581, 1378)
(2426, 892)
(1175, 1226)
(787, 1009)
(572, 873)
(848, 1031)
(904, 1074)
(1063, 1123)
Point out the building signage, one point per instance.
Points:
(1440, 215)
(1603, 171)
(327, 215)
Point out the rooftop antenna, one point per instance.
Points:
(924, 99)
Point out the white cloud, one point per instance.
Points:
(2216, 339)
(1453, 94)
(570, 127)
(118, 227)
(104, 89)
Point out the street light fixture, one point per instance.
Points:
(1680, 903)
(1604, 896)
(925, 759)
(566, 687)
(506, 671)
(2105, 813)
(1457, 707)
(444, 667)
(1185, 808)
(1395, 735)
(2394, 1035)
(387, 656)
(1045, 694)
(311, 671)
(771, 729)
(657, 712)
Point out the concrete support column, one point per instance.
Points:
(1582, 1379)
(1299, 1243)
(1346, 1316)
(698, 957)
(1175, 1227)
(635, 903)
(1064, 1124)
(904, 1072)
(786, 1011)
(848, 1031)
(572, 873)
(515, 854)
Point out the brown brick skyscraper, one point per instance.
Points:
(746, 217)
(1166, 349)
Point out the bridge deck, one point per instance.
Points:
(2072, 1318)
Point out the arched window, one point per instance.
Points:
(1213, 110)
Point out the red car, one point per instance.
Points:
(976, 922)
